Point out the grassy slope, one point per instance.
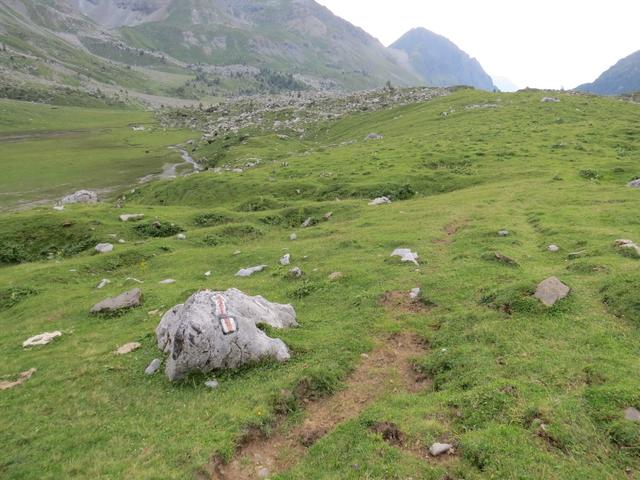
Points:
(87, 413)
(50, 151)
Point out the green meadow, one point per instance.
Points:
(521, 390)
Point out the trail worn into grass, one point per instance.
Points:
(388, 369)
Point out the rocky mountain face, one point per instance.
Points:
(189, 49)
(623, 77)
(440, 62)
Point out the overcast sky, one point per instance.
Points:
(542, 43)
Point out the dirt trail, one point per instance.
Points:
(387, 369)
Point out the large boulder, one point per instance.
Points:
(218, 330)
(81, 196)
(130, 299)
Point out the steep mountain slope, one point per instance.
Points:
(623, 77)
(440, 62)
(193, 49)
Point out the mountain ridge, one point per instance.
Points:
(621, 78)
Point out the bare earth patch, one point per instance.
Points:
(403, 303)
(388, 369)
(450, 230)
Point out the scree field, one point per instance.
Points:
(522, 391)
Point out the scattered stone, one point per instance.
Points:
(153, 367)
(104, 248)
(59, 208)
(130, 299)
(380, 201)
(134, 280)
(336, 276)
(634, 183)
(131, 217)
(139, 128)
(406, 255)
(374, 136)
(503, 233)
(236, 253)
(42, 339)
(504, 259)
(128, 348)
(632, 414)
(168, 281)
(207, 274)
(328, 216)
(550, 100)
(415, 293)
(630, 244)
(553, 248)
(153, 313)
(24, 376)
(81, 196)
(551, 291)
(308, 222)
(214, 330)
(438, 449)
(295, 272)
(293, 237)
(181, 236)
(211, 384)
(285, 260)
(247, 272)
(103, 283)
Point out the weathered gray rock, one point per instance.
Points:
(285, 260)
(181, 236)
(634, 183)
(131, 217)
(104, 248)
(42, 339)
(336, 276)
(406, 255)
(438, 449)
(553, 248)
(632, 414)
(503, 233)
(247, 272)
(211, 384)
(308, 222)
(153, 367)
(380, 201)
(130, 299)
(103, 283)
(295, 272)
(551, 291)
(374, 136)
(293, 237)
(550, 100)
(414, 294)
(81, 196)
(168, 281)
(214, 330)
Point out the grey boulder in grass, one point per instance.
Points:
(552, 290)
(130, 299)
(218, 330)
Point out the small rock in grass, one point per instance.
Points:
(42, 339)
(551, 291)
(211, 384)
(328, 216)
(503, 233)
(336, 276)
(103, 283)
(632, 414)
(374, 136)
(550, 100)
(308, 222)
(438, 449)
(406, 255)
(130, 299)
(553, 248)
(128, 348)
(104, 248)
(132, 217)
(207, 274)
(293, 237)
(81, 196)
(59, 208)
(133, 280)
(236, 253)
(295, 272)
(285, 260)
(168, 281)
(380, 201)
(247, 272)
(153, 367)
(634, 183)
(181, 236)
(415, 293)
(122, 241)
(24, 376)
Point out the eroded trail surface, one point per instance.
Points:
(387, 369)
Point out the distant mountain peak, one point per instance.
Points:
(440, 62)
(623, 77)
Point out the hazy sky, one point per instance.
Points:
(542, 43)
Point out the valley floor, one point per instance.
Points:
(522, 391)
